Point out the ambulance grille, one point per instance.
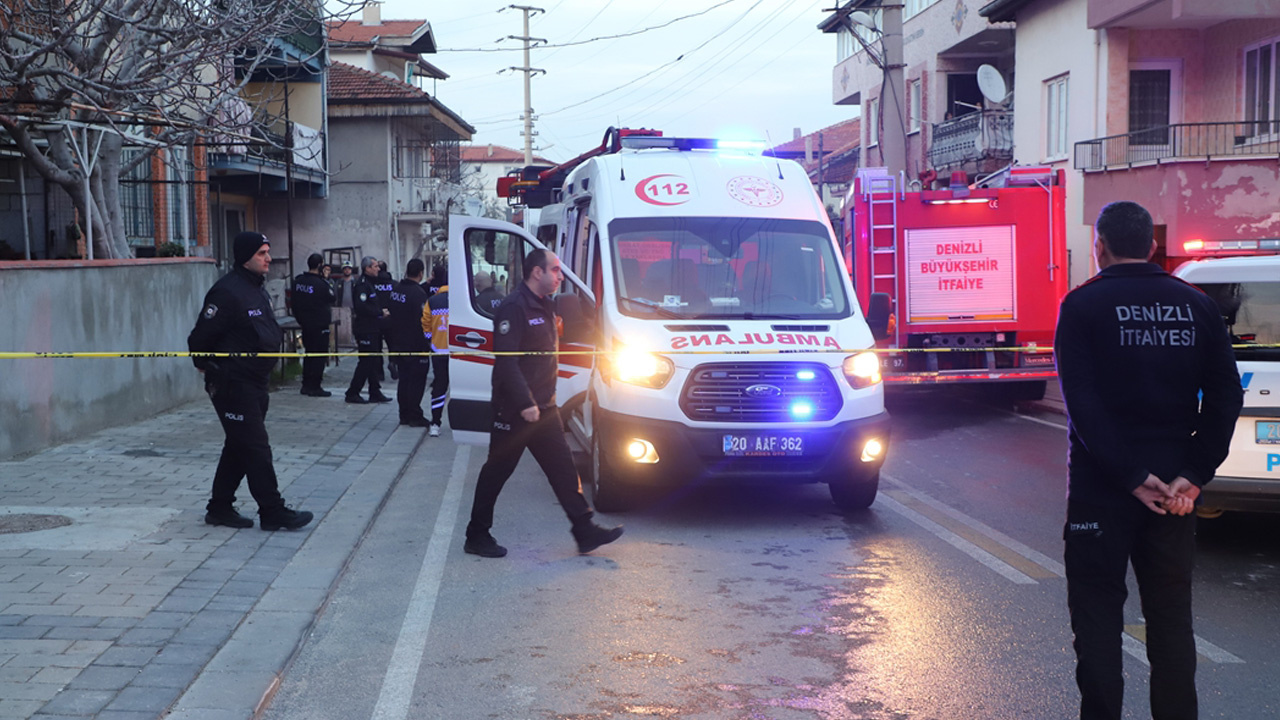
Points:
(760, 392)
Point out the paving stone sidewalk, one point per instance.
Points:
(137, 609)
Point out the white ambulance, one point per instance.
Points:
(1247, 289)
(711, 333)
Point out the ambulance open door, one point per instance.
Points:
(486, 259)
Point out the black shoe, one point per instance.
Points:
(283, 518)
(356, 400)
(316, 392)
(379, 398)
(591, 536)
(227, 518)
(484, 546)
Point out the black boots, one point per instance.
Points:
(483, 545)
(591, 536)
(283, 518)
(227, 517)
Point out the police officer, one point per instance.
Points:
(525, 412)
(1152, 394)
(384, 284)
(407, 335)
(438, 313)
(312, 299)
(237, 318)
(367, 324)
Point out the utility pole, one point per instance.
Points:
(529, 72)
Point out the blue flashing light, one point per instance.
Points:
(805, 375)
(801, 410)
(752, 145)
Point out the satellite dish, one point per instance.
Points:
(991, 83)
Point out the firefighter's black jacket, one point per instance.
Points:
(1149, 379)
(524, 323)
(236, 317)
(311, 299)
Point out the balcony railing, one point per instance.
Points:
(1183, 141)
(982, 135)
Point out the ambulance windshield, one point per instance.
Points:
(715, 267)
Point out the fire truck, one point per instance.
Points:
(970, 276)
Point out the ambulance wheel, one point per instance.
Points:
(853, 491)
(608, 492)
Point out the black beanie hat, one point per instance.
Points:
(246, 245)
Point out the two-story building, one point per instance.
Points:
(1171, 104)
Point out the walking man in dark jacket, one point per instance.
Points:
(312, 300)
(525, 412)
(437, 319)
(367, 325)
(1152, 394)
(237, 318)
(408, 336)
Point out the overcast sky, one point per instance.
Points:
(746, 68)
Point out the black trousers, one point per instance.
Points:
(507, 442)
(242, 410)
(368, 367)
(315, 340)
(1100, 544)
(413, 385)
(439, 386)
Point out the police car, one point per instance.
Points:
(1247, 289)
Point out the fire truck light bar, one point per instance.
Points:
(1197, 246)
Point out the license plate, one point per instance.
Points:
(1268, 432)
(760, 445)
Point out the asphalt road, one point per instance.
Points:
(945, 600)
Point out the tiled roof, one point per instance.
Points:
(500, 154)
(354, 31)
(350, 83)
(836, 139)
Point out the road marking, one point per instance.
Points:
(406, 658)
(1028, 418)
(1135, 643)
(968, 548)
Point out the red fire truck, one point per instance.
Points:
(971, 276)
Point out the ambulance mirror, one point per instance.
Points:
(878, 315)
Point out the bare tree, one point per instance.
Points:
(81, 80)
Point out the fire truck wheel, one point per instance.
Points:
(608, 493)
(853, 491)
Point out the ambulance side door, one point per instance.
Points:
(486, 259)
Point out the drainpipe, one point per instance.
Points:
(22, 192)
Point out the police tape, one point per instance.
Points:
(4, 355)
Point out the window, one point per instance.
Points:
(1056, 118)
(181, 196)
(136, 202)
(846, 46)
(1262, 88)
(873, 122)
(913, 106)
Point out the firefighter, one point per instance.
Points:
(438, 311)
(1152, 395)
(237, 318)
(525, 412)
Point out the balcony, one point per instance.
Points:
(1179, 143)
(973, 139)
(266, 154)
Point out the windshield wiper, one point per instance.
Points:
(659, 309)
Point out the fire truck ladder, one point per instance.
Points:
(881, 194)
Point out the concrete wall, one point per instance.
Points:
(94, 306)
(1060, 26)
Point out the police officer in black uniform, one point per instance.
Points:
(525, 412)
(408, 336)
(1152, 394)
(312, 299)
(237, 318)
(368, 315)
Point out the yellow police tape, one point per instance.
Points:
(490, 353)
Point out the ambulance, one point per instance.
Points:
(1247, 290)
(710, 333)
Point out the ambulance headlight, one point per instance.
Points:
(641, 367)
(862, 370)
